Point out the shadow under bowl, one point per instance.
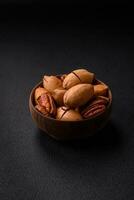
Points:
(67, 130)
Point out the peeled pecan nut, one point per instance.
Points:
(100, 89)
(51, 83)
(94, 111)
(95, 108)
(99, 100)
(76, 77)
(67, 114)
(38, 92)
(42, 110)
(78, 95)
(46, 101)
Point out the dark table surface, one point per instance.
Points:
(32, 165)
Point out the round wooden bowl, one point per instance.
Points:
(66, 130)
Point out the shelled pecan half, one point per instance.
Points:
(96, 107)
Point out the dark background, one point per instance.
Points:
(39, 38)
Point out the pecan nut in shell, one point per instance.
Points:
(51, 83)
(42, 110)
(47, 102)
(78, 95)
(58, 96)
(100, 89)
(67, 114)
(76, 77)
(38, 92)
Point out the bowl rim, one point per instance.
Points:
(64, 121)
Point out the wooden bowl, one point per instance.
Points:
(66, 130)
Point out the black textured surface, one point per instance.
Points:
(34, 166)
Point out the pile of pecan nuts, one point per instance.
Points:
(71, 97)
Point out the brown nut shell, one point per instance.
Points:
(58, 96)
(51, 83)
(38, 92)
(66, 114)
(76, 77)
(78, 95)
(63, 77)
(100, 89)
